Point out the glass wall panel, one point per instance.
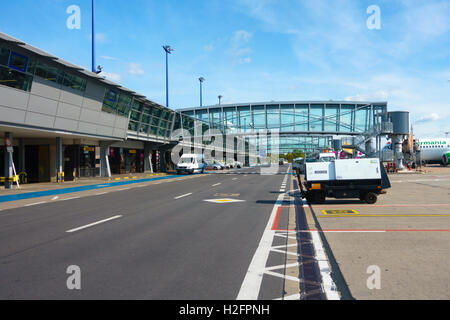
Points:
(145, 118)
(4, 56)
(301, 117)
(74, 82)
(259, 117)
(216, 118)
(287, 118)
(15, 79)
(346, 123)
(331, 115)
(245, 119)
(110, 101)
(316, 118)
(124, 105)
(361, 120)
(18, 62)
(135, 115)
(144, 128)
(133, 126)
(273, 117)
(231, 121)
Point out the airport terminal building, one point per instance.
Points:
(62, 120)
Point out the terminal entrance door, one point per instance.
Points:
(37, 163)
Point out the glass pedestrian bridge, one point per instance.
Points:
(306, 125)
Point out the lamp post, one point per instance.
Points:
(201, 79)
(220, 100)
(168, 51)
(94, 69)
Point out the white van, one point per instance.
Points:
(191, 163)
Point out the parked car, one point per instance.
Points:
(212, 165)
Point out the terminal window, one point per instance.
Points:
(4, 56)
(18, 62)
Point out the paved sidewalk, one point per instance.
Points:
(82, 182)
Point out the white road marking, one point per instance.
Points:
(184, 195)
(70, 199)
(93, 224)
(34, 204)
(252, 282)
(235, 179)
(215, 185)
(55, 198)
(292, 297)
(102, 193)
(325, 271)
(124, 189)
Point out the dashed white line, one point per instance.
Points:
(184, 195)
(252, 282)
(124, 189)
(215, 185)
(70, 199)
(93, 224)
(34, 204)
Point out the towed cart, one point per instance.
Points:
(365, 179)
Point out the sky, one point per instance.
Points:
(259, 50)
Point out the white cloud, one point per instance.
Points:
(380, 95)
(428, 118)
(238, 49)
(135, 69)
(110, 58)
(241, 36)
(112, 76)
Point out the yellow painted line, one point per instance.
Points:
(339, 212)
(117, 179)
(385, 215)
(127, 178)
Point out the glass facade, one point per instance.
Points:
(17, 71)
(296, 122)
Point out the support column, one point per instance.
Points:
(104, 152)
(147, 152)
(59, 160)
(8, 169)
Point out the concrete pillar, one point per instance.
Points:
(59, 160)
(147, 152)
(8, 169)
(104, 151)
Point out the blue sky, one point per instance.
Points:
(259, 50)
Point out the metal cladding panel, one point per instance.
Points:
(44, 88)
(42, 105)
(94, 91)
(13, 98)
(358, 169)
(71, 96)
(68, 111)
(320, 171)
(12, 115)
(39, 120)
(66, 124)
(400, 121)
